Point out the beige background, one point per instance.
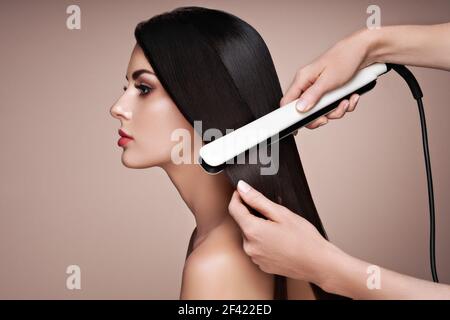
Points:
(66, 199)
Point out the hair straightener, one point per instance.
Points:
(276, 125)
(283, 121)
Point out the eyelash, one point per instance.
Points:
(141, 88)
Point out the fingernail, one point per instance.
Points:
(355, 100)
(243, 186)
(301, 105)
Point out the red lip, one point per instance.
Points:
(125, 138)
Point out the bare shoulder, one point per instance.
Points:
(219, 269)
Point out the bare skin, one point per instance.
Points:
(216, 265)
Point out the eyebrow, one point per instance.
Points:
(137, 73)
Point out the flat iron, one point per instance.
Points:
(283, 121)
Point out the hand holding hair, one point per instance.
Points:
(285, 244)
(289, 245)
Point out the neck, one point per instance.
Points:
(207, 196)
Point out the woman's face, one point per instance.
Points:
(148, 115)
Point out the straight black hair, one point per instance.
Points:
(217, 69)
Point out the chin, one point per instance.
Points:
(134, 162)
(130, 162)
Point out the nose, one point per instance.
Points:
(119, 111)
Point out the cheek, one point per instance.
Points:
(153, 126)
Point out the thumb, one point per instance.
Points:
(313, 94)
(259, 202)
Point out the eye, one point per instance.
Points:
(144, 89)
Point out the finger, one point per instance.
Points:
(302, 81)
(317, 123)
(248, 247)
(240, 213)
(353, 102)
(259, 202)
(339, 111)
(311, 96)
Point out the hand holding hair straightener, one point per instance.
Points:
(429, 47)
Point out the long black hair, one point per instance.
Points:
(217, 69)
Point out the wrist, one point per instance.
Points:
(346, 276)
(374, 43)
(340, 268)
(326, 273)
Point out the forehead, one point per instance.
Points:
(138, 61)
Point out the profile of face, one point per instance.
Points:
(148, 115)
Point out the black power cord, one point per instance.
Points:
(417, 94)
